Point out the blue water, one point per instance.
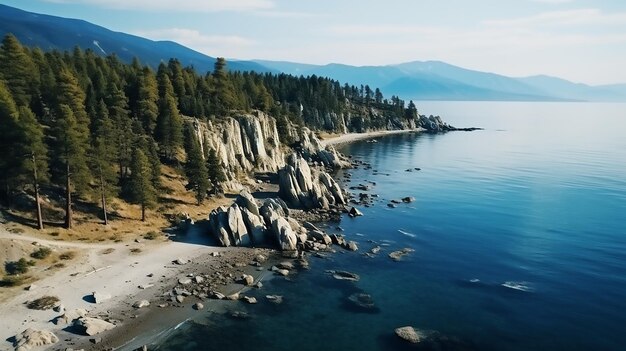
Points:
(537, 199)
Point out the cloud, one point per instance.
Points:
(177, 5)
(212, 45)
(553, 2)
(284, 14)
(564, 18)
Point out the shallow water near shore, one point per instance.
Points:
(519, 239)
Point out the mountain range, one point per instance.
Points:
(418, 80)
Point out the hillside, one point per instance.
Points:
(51, 32)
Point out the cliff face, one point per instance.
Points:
(243, 144)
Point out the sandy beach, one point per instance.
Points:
(350, 137)
(113, 270)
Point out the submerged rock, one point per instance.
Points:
(362, 300)
(397, 255)
(410, 334)
(277, 299)
(344, 275)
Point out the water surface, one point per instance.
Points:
(519, 234)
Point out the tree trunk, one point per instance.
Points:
(143, 212)
(68, 197)
(104, 200)
(37, 202)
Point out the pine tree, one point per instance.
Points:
(224, 98)
(147, 106)
(103, 157)
(8, 139)
(17, 69)
(215, 170)
(117, 104)
(169, 128)
(195, 167)
(35, 164)
(141, 189)
(70, 148)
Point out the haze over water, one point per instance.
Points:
(519, 235)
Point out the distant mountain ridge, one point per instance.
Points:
(436, 80)
(51, 32)
(417, 80)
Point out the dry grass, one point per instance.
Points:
(15, 280)
(68, 255)
(43, 303)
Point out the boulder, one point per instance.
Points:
(354, 212)
(408, 199)
(92, 326)
(321, 236)
(247, 280)
(233, 297)
(351, 245)
(285, 237)
(410, 334)
(198, 279)
(282, 272)
(285, 265)
(141, 304)
(99, 297)
(180, 298)
(180, 261)
(69, 316)
(32, 338)
(246, 200)
(184, 281)
(249, 299)
(218, 220)
(237, 226)
(197, 306)
(254, 224)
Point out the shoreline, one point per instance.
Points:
(120, 274)
(352, 137)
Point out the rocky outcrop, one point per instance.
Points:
(240, 224)
(32, 338)
(245, 143)
(313, 150)
(303, 187)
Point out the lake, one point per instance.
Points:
(519, 234)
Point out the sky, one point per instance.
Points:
(579, 40)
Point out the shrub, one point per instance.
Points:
(69, 255)
(17, 267)
(14, 280)
(41, 253)
(150, 235)
(43, 303)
